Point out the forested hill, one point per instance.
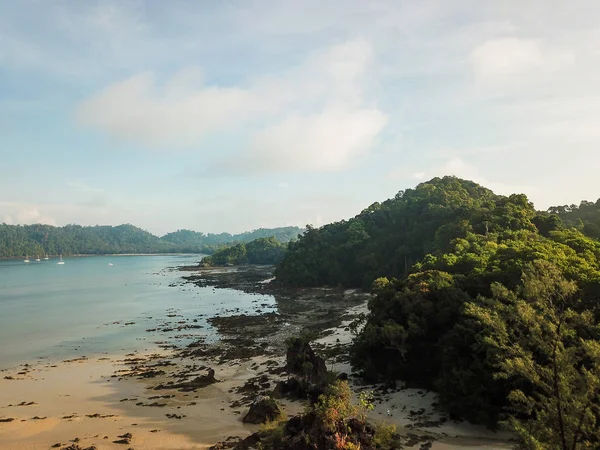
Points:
(32, 240)
(494, 305)
(194, 239)
(387, 239)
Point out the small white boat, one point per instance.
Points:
(61, 260)
(110, 264)
(38, 259)
(26, 260)
(46, 257)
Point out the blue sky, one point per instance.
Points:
(229, 116)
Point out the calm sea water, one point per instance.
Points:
(88, 306)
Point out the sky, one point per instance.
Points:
(240, 114)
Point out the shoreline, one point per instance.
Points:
(170, 389)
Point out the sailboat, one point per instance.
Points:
(38, 258)
(46, 257)
(61, 260)
(26, 260)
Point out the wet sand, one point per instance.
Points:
(83, 400)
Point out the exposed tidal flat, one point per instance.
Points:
(143, 355)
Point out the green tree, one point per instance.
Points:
(550, 354)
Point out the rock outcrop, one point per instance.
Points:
(263, 409)
(301, 360)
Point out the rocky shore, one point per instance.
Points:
(192, 391)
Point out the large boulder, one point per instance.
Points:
(302, 360)
(263, 409)
(291, 388)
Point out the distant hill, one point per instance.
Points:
(32, 240)
(264, 250)
(194, 239)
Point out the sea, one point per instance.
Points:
(94, 305)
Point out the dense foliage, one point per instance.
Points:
(387, 238)
(585, 217)
(478, 296)
(260, 251)
(32, 240)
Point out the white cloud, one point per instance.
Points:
(325, 141)
(16, 213)
(176, 116)
(313, 117)
(511, 58)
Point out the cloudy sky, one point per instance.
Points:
(239, 114)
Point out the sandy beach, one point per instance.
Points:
(86, 401)
(168, 399)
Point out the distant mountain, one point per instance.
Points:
(20, 240)
(194, 239)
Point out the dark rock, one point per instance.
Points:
(263, 409)
(76, 447)
(286, 388)
(302, 360)
(124, 439)
(236, 443)
(189, 386)
(343, 376)
(294, 426)
(8, 419)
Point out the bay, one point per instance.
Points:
(103, 304)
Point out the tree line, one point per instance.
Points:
(38, 239)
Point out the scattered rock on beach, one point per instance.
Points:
(77, 447)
